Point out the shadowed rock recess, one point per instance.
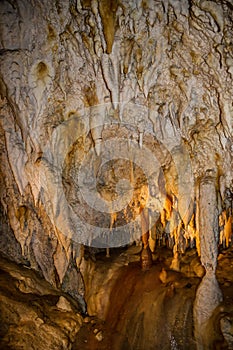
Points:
(116, 174)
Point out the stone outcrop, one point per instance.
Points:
(33, 314)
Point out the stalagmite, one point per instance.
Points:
(175, 265)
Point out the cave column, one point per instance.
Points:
(208, 295)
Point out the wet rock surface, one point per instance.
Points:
(148, 311)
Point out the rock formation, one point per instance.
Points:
(113, 111)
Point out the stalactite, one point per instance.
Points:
(146, 256)
(96, 124)
(228, 230)
(108, 16)
(152, 233)
(113, 219)
(111, 73)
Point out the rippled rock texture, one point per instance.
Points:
(115, 113)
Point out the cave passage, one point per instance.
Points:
(153, 308)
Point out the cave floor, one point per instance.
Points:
(136, 291)
(139, 305)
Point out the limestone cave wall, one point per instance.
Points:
(109, 109)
